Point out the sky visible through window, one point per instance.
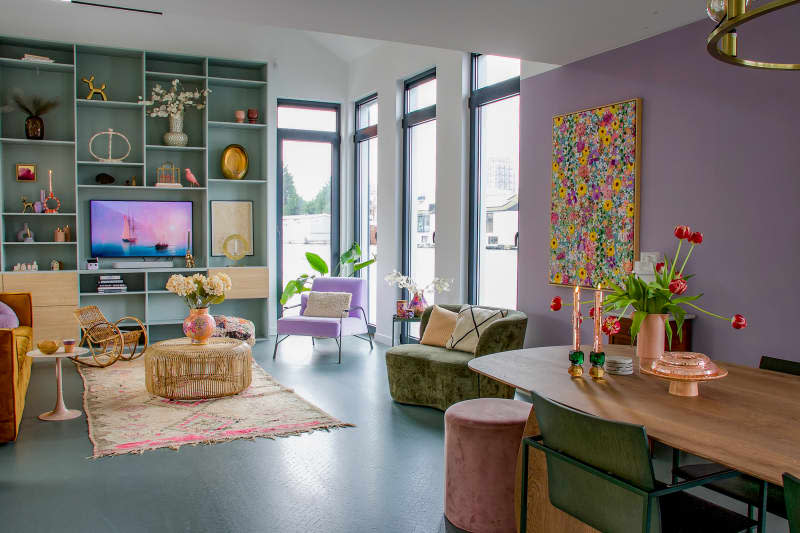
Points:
(311, 162)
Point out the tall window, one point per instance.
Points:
(494, 198)
(308, 186)
(366, 199)
(419, 216)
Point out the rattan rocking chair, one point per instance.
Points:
(106, 341)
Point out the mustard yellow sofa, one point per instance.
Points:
(15, 365)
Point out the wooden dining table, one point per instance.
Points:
(748, 421)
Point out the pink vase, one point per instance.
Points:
(199, 325)
(418, 304)
(239, 115)
(650, 340)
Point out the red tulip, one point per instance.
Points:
(659, 267)
(696, 237)
(555, 303)
(738, 322)
(611, 326)
(591, 312)
(682, 232)
(678, 286)
(615, 327)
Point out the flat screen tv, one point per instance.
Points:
(137, 228)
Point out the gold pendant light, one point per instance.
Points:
(730, 14)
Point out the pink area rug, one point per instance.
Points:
(124, 418)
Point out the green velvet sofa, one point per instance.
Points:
(438, 377)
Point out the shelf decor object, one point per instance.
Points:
(234, 162)
(106, 341)
(231, 217)
(199, 292)
(94, 90)
(722, 43)
(51, 203)
(172, 103)
(684, 371)
(109, 158)
(234, 247)
(38, 106)
(25, 172)
(168, 175)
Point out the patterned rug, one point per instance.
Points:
(124, 418)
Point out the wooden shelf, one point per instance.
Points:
(235, 125)
(36, 65)
(109, 104)
(104, 164)
(176, 148)
(38, 214)
(237, 182)
(43, 142)
(140, 270)
(231, 82)
(168, 76)
(41, 243)
(126, 293)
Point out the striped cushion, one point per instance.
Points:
(471, 323)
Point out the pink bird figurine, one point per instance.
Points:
(191, 179)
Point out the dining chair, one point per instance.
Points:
(599, 471)
(757, 494)
(791, 488)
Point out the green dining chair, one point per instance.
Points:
(791, 488)
(752, 491)
(600, 472)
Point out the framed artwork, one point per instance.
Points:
(594, 194)
(26, 172)
(231, 217)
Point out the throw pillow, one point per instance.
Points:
(328, 304)
(471, 323)
(440, 326)
(8, 318)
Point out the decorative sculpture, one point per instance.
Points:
(51, 197)
(189, 258)
(94, 90)
(109, 158)
(168, 175)
(26, 205)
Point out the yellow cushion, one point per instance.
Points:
(440, 326)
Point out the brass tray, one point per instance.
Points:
(234, 162)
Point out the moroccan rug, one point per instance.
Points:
(124, 418)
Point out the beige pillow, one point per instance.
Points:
(471, 323)
(328, 304)
(440, 326)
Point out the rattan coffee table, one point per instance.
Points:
(179, 370)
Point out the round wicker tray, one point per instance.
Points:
(179, 370)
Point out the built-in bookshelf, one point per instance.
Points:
(129, 76)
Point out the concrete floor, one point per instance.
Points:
(385, 475)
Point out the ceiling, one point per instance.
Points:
(550, 31)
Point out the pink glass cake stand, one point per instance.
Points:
(684, 371)
(60, 411)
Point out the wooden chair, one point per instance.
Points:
(791, 487)
(755, 493)
(107, 341)
(600, 472)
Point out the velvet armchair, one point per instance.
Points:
(354, 323)
(15, 365)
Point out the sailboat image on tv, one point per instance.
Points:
(128, 229)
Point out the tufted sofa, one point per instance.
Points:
(438, 377)
(15, 365)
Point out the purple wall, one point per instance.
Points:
(720, 153)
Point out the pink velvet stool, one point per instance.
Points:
(481, 443)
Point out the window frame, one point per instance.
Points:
(293, 134)
(477, 99)
(364, 134)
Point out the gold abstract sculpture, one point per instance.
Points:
(94, 90)
(110, 133)
(189, 258)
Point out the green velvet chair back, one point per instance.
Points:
(791, 491)
(780, 365)
(615, 448)
(501, 336)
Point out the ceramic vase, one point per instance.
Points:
(24, 233)
(417, 304)
(175, 135)
(34, 127)
(239, 115)
(252, 116)
(199, 325)
(650, 340)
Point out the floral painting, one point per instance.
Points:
(594, 204)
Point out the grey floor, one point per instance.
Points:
(384, 475)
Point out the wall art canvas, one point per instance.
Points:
(229, 217)
(594, 206)
(26, 172)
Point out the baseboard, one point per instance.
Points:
(380, 338)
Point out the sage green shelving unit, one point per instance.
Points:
(129, 75)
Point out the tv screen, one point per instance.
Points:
(139, 228)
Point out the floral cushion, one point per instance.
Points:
(234, 327)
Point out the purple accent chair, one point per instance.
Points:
(333, 328)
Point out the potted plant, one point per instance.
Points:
(199, 291)
(38, 106)
(417, 303)
(172, 103)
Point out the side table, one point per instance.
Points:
(60, 411)
(402, 319)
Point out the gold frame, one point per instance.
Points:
(35, 172)
(637, 171)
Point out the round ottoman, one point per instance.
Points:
(481, 441)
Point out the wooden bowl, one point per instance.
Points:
(48, 347)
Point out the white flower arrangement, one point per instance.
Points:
(397, 279)
(200, 291)
(174, 101)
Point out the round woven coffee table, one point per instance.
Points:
(179, 370)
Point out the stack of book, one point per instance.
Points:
(111, 283)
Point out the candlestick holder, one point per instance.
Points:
(598, 359)
(576, 363)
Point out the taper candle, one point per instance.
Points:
(598, 318)
(576, 318)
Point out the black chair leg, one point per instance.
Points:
(278, 340)
(762, 511)
(312, 342)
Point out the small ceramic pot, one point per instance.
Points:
(252, 116)
(199, 325)
(239, 115)
(69, 345)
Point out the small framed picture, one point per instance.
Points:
(401, 308)
(26, 172)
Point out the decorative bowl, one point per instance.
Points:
(684, 370)
(48, 347)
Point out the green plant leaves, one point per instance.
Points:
(317, 263)
(363, 264)
(638, 317)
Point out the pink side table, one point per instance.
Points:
(60, 411)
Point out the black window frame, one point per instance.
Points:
(292, 134)
(478, 98)
(361, 135)
(411, 119)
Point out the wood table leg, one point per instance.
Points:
(542, 517)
